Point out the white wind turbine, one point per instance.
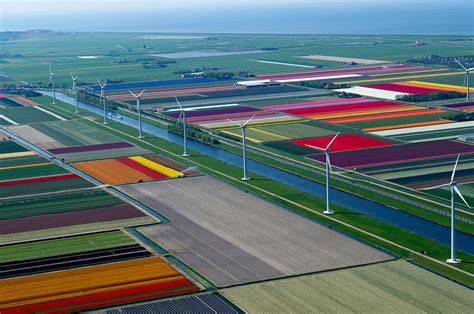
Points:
(102, 85)
(139, 112)
(182, 115)
(74, 88)
(326, 151)
(466, 76)
(243, 127)
(51, 82)
(454, 189)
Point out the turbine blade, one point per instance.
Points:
(454, 170)
(132, 93)
(179, 118)
(460, 63)
(436, 187)
(462, 197)
(328, 161)
(465, 80)
(333, 139)
(179, 104)
(233, 122)
(50, 79)
(141, 93)
(246, 122)
(314, 147)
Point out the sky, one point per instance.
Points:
(62, 6)
(266, 16)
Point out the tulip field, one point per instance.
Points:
(24, 172)
(343, 108)
(39, 199)
(129, 169)
(95, 219)
(374, 121)
(217, 117)
(339, 72)
(95, 286)
(391, 91)
(345, 142)
(26, 258)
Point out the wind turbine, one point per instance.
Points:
(243, 127)
(454, 190)
(326, 151)
(466, 76)
(183, 116)
(51, 82)
(139, 112)
(102, 98)
(74, 88)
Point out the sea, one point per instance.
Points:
(358, 17)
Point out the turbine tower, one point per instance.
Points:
(51, 82)
(454, 191)
(243, 127)
(102, 98)
(183, 116)
(74, 88)
(326, 151)
(139, 112)
(466, 76)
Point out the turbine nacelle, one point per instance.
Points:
(326, 150)
(243, 125)
(136, 96)
(452, 184)
(182, 115)
(102, 84)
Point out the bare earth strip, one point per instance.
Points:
(343, 59)
(36, 137)
(392, 287)
(232, 237)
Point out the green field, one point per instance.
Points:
(63, 50)
(7, 147)
(56, 203)
(74, 133)
(18, 161)
(63, 246)
(77, 229)
(282, 132)
(31, 172)
(44, 187)
(390, 287)
(6, 102)
(467, 190)
(23, 115)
